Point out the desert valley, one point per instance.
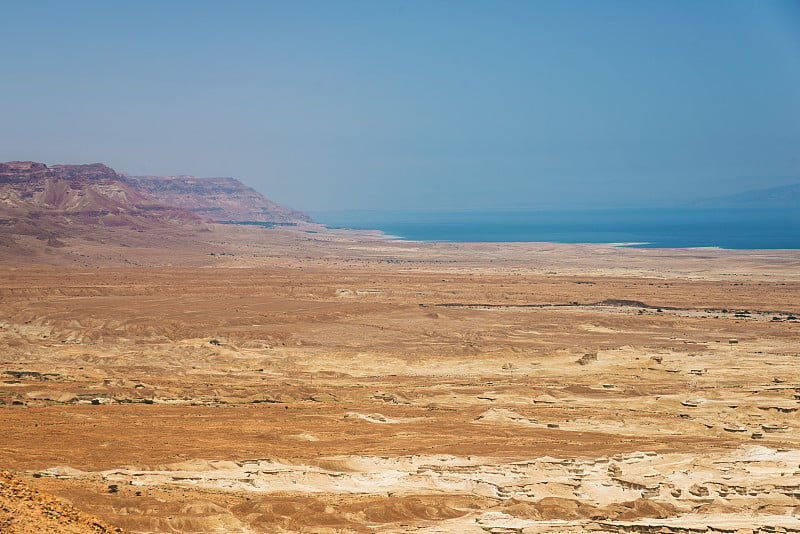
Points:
(165, 373)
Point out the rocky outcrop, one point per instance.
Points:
(219, 199)
(51, 203)
(625, 492)
(24, 510)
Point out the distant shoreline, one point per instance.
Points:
(695, 228)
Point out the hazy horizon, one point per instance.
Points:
(415, 105)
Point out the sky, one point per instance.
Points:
(393, 105)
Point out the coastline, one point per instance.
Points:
(697, 228)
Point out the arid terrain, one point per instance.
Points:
(219, 199)
(310, 381)
(161, 373)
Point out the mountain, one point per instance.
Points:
(787, 196)
(90, 215)
(219, 199)
(62, 201)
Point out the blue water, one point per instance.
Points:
(664, 228)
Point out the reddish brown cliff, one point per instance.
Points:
(61, 201)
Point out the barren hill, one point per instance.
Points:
(219, 199)
(24, 510)
(92, 201)
(66, 195)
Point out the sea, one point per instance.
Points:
(728, 228)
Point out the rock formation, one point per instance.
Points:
(24, 510)
(219, 199)
(51, 203)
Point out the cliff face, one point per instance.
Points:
(61, 213)
(219, 199)
(69, 200)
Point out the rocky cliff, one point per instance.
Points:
(219, 199)
(61, 201)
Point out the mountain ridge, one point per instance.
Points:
(222, 199)
(92, 215)
(785, 196)
(37, 198)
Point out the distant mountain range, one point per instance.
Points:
(787, 196)
(218, 199)
(47, 205)
(59, 201)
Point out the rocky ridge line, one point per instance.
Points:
(219, 199)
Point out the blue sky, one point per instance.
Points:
(410, 104)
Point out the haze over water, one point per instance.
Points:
(733, 228)
(443, 105)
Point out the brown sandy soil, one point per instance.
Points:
(24, 510)
(349, 385)
(218, 245)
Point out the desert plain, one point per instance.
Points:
(324, 382)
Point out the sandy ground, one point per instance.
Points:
(26, 510)
(339, 384)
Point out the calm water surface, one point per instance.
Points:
(669, 228)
